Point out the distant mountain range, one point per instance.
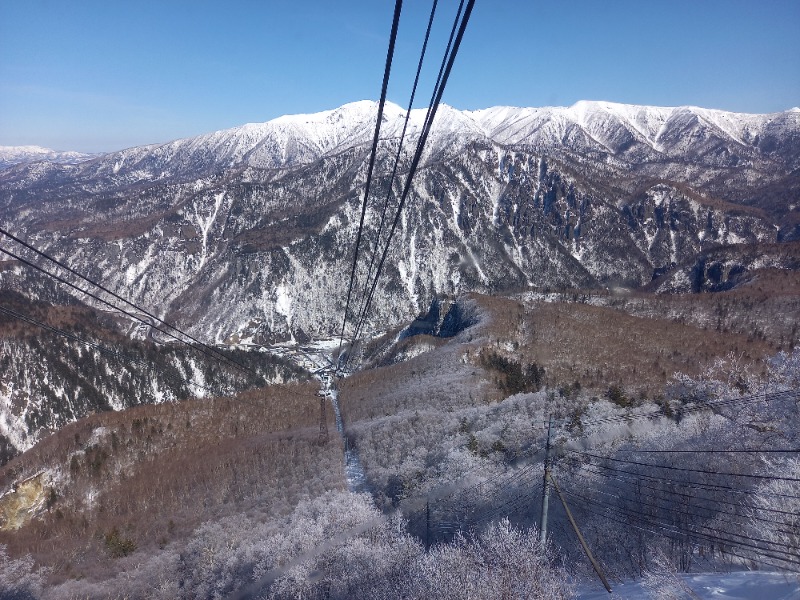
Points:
(14, 155)
(246, 235)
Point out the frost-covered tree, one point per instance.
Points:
(777, 506)
(19, 578)
(503, 562)
(784, 370)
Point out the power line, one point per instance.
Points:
(387, 69)
(631, 511)
(499, 482)
(627, 523)
(418, 154)
(687, 496)
(710, 537)
(687, 469)
(400, 146)
(696, 484)
(688, 409)
(466, 499)
(125, 312)
(217, 355)
(512, 473)
(420, 143)
(63, 333)
(445, 492)
(99, 347)
(690, 533)
(511, 505)
(713, 451)
(127, 358)
(680, 411)
(120, 298)
(715, 514)
(659, 530)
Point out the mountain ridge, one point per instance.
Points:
(504, 197)
(354, 122)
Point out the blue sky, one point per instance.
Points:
(104, 75)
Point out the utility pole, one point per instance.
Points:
(546, 486)
(584, 545)
(323, 422)
(550, 480)
(427, 525)
(323, 418)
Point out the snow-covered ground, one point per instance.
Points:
(354, 472)
(749, 585)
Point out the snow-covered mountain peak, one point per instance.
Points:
(585, 111)
(352, 114)
(590, 125)
(352, 111)
(451, 119)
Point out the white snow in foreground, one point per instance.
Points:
(749, 585)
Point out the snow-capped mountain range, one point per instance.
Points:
(505, 197)
(246, 235)
(262, 217)
(587, 126)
